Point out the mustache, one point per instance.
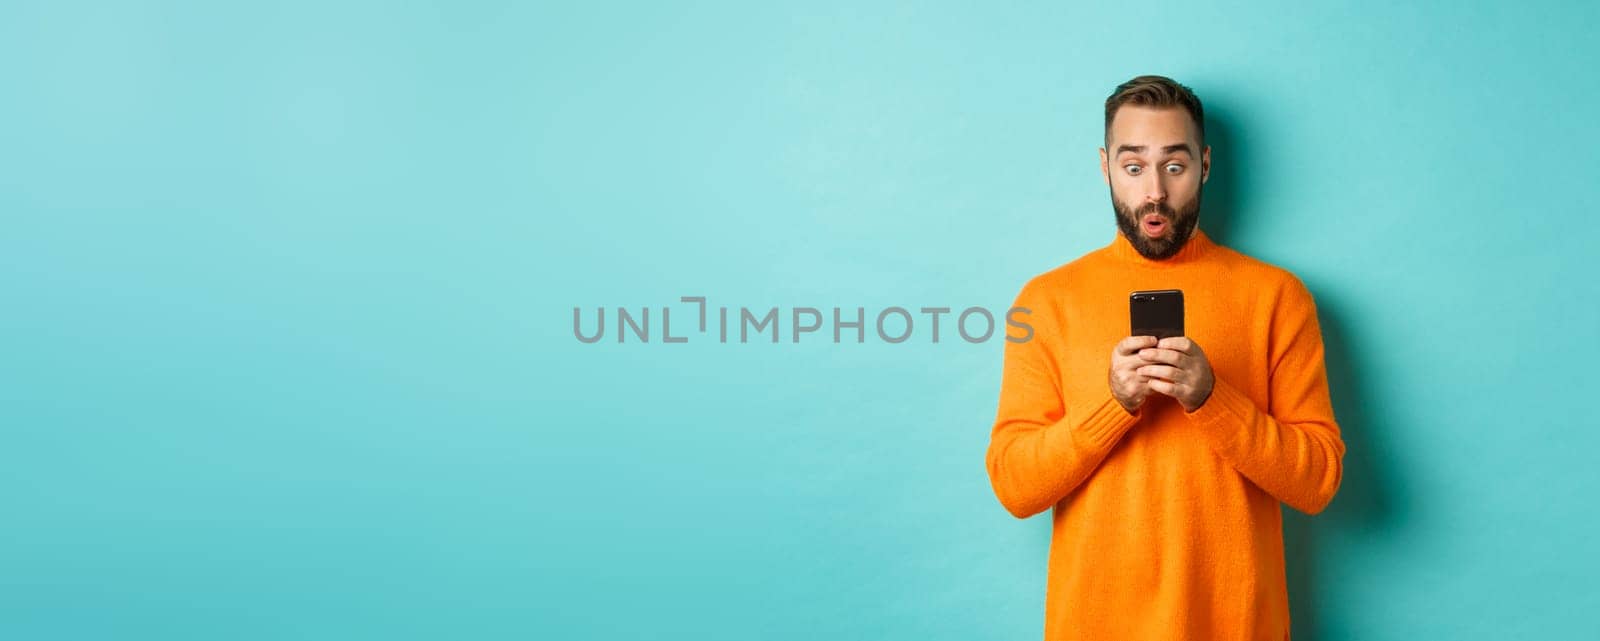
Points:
(1154, 208)
(1157, 208)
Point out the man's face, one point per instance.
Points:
(1154, 166)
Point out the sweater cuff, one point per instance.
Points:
(1225, 415)
(1106, 422)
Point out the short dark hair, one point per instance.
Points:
(1156, 91)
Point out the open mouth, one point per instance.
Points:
(1155, 225)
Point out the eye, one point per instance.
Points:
(1174, 168)
(1132, 169)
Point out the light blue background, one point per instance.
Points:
(288, 292)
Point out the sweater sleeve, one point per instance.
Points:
(1039, 452)
(1293, 450)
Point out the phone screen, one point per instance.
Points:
(1157, 313)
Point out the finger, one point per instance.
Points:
(1131, 344)
(1163, 372)
(1170, 357)
(1176, 343)
(1165, 387)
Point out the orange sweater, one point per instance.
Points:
(1166, 523)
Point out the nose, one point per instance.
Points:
(1154, 191)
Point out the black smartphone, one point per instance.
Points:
(1156, 312)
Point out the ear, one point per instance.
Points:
(1105, 169)
(1205, 164)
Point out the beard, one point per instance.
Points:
(1182, 227)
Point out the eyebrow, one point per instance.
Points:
(1139, 149)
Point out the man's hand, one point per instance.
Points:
(1127, 384)
(1177, 367)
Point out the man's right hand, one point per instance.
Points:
(1127, 384)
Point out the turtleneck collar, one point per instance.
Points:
(1198, 246)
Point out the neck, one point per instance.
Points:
(1194, 249)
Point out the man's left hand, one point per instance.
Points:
(1178, 368)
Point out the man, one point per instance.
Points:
(1165, 460)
